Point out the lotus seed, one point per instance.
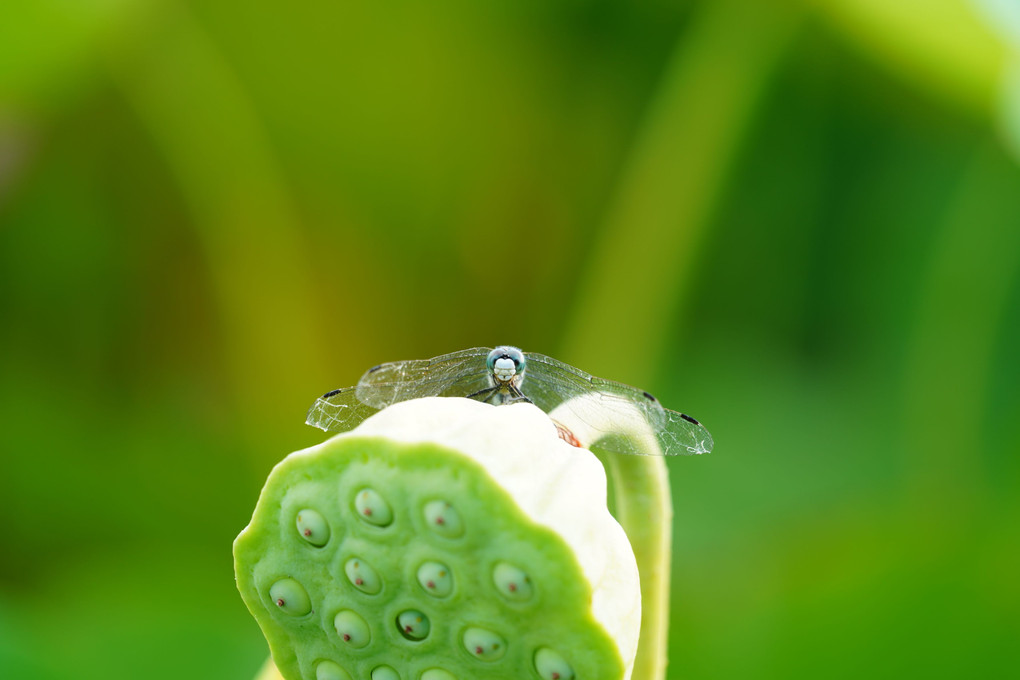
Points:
(443, 519)
(312, 527)
(373, 508)
(551, 666)
(511, 582)
(435, 579)
(413, 625)
(327, 670)
(352, 629)
(437, 674)
(290, 597)
(362, 576)
(384, 673)
(483, 644)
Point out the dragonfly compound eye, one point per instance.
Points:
(505, 363)
(490, 361)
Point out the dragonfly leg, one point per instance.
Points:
(516, 395)
(487, 392)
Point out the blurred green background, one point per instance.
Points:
(798, 221)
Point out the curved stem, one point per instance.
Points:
(656, 223)
(644, 508)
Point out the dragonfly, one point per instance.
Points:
(604, 409)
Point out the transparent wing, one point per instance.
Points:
(459, 374)
(610, 408)
(549, 383)
(684, 435)
(338, 411)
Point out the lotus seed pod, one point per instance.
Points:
(328, 670)
(373, 508)
(437, 674)
(384, 673)
(289, 597)
(362, 576)
(483, 644)
(312, 527)
(352, 629)
(551, 666)
(443, 518)
(511, 582)
(487, 538)
(435, 579)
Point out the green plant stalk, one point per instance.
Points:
(656, 223)
(643, 506)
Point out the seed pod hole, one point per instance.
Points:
(352, 629)
(512, 582)
(437, 674)
(483, 644)
(551, 666)
(413, 625)
(290, 597)
(443, 519)
(312, 527)
(362, 576)
(435, 579)
(373, 508)
(384, 673)
(328, 670)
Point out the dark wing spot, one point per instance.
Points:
(649, 397)
(375, 368)
(689, 419)
(327, 395)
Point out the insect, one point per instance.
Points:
(506, 375)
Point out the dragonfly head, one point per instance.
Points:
(506, 363)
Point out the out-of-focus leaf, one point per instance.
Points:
(1003, 17)
(942, 45)
(51, 48)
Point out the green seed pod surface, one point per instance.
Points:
(469, 625)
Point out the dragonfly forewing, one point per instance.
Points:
(549, 383)
(684, 435)
(338, 411)
(457, 374)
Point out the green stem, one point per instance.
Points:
(644, 508)
(656, 223)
